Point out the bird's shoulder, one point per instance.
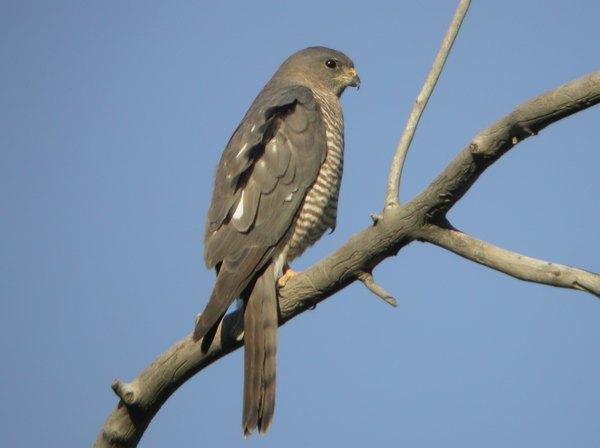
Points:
(270, 161)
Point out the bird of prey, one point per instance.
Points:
(275, 194)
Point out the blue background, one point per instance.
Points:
(113, 116)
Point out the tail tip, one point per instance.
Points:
(262, 430)
(248, 428)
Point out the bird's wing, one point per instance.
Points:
(271, 160)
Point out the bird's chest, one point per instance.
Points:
(319, 209)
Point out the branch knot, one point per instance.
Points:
(127, 392)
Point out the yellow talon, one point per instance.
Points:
(287, 275)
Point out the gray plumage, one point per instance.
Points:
(275, 194)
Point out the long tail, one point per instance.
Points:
(227, 287)
(260, 339)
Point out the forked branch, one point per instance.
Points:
(142, 398)
(393, 191)
(395, 229)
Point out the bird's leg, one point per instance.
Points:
(287, 274)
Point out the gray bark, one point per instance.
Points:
(511, 263)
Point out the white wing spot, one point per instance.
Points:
(253, 128)
(280, 261)
(242, 150)
(239, 210)
(288, 198)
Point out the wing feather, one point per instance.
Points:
(277, 154)
(269, 163)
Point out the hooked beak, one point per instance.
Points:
(354, 80)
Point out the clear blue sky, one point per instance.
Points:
(112, 118)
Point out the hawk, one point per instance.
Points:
(275, 194)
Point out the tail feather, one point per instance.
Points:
(227, 287)
(260, 339)
(269, 367)
(253, 357)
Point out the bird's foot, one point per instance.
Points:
(287, 275)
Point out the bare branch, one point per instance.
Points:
(125, 425)
(512, 263)
(367, 279)
(489, 145)
(398, 227)
(393, 193)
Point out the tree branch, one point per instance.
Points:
(395, 229)
(489, 145)
(511, 263)
(367, 279)
(393, 193)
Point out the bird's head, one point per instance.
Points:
(320, 68)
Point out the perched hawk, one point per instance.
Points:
(275, 194)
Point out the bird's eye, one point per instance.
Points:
(331, 63)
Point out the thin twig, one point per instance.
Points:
(393, 191)
(367, 279)
(512, 263)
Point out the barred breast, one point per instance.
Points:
(319, 209)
